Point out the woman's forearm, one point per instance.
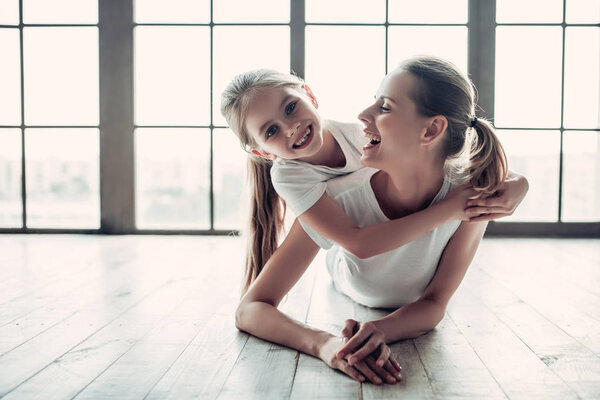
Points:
(412, 320)
(265, 321)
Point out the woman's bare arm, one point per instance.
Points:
(423, 315)
(258, 315)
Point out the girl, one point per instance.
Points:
(293, 152)
(428, 141)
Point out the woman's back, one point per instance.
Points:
(390, 279)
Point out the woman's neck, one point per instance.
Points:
(399, 193)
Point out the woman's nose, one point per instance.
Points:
(364, 116)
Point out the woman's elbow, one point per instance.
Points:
(240, 315)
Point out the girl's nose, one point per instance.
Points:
(292, 128)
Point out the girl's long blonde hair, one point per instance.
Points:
(471, 149)
(267, 209)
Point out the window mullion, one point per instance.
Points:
(482, 53)
(117, 181)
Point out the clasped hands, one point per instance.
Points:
(362, 354)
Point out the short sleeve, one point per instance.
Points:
(319, 239)
(300, 186)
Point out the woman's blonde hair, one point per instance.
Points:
(471, 150)
(267, 209)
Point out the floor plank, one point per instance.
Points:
(152, 317)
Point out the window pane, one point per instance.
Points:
(354, 11)
(429, 11)
(534, 154)
(229, 171)
(60, 11)
(172, 75)
(11, 212)
(344, 67)
(173, 11)
(582, 78)
(510, 11)
(449, 42)
(61, 76)
(9, 12)
(240, 48)
(10, 78)
(63, 186)
(583, 11)
(528, 76)
(581, 179)
(251, 11)
(172, 178)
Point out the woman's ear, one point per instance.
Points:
(265, 155)
(435, 129)
(311, 95)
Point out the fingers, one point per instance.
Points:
(478, 210)
(396, 371)
(356, 341)
(384, 355)
(350, 327)
(488, 217)
(368, 371)
(364, 351)
(350, 371)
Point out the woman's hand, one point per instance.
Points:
(365, 343)
(502, 204)
(360, 371)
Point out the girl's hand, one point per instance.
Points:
(457, 200)
(502, 204)
(366, 343)
(361, 371)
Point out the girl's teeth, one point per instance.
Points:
(301, 141)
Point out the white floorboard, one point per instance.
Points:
(152, 317)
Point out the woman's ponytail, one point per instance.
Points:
(267, 213)
(487, 167)
(471, 150)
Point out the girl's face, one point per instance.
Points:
(285, 123)
(392, 124)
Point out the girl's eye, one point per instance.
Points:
(271, 131)
(384, 108)
(290, 108)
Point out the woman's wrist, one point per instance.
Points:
(317, 342)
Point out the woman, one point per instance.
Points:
(424, 140)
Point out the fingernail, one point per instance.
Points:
(362, 378)
(352, 360)
(380, 363)
(377, 381)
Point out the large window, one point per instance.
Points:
(128, 91)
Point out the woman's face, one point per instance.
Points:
(285, 123)
(393, 124)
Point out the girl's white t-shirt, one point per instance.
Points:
(387, 280)
(302, 184)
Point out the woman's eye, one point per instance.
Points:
(271, 131)
(290, 108)
(384, 108)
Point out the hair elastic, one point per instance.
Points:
(473, 122)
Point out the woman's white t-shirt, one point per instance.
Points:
(302, 184)
(387, 280)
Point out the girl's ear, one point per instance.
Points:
(265, 155)
(311, 95)
(435, 128)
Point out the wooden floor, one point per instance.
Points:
(150, 317)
